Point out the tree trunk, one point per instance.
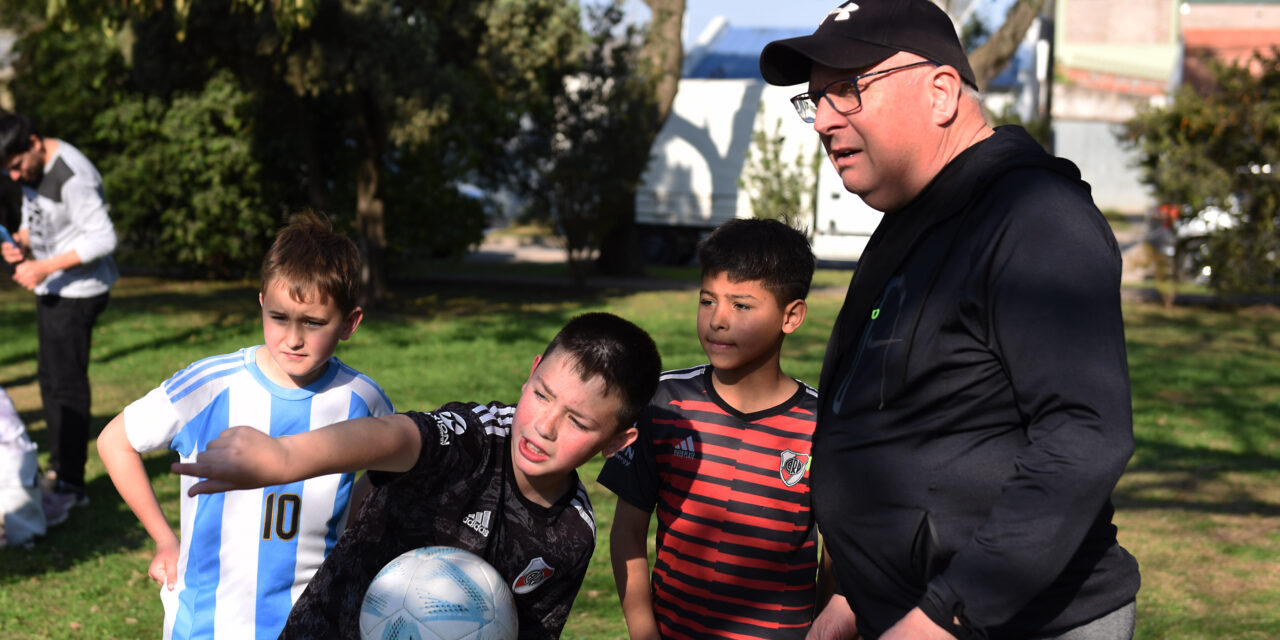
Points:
(317, 195)
(369, 206)
(994, 54)
(664, 55)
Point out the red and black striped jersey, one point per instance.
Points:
(736, 541)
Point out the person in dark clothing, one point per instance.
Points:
(974, 401)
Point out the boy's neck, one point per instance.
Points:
(542, 491)
(757, 389)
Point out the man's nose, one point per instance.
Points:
(826, 117)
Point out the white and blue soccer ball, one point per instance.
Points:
(438, 593)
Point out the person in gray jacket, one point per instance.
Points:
(61, 252)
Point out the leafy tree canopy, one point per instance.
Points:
(242, 111)
(1222, 148)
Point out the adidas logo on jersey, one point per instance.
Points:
(685, 449)
(479, 521)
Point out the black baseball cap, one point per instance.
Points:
(862, 33)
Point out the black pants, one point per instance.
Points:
(65, 327)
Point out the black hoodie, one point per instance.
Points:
(975, 412)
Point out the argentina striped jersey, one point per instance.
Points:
(246, 555)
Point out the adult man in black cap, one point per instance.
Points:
(975, 412)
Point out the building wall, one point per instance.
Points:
(1104, 163)
(1111, 22)
(1224, 15)
(1229, 32)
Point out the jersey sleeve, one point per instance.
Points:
(450, 435)
(632, 474)
(151, 422)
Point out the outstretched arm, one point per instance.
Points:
(127, 472)
(245, 458)
(628, 540)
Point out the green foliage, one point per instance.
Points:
(1219, 148)
(212, 119)
(974, 32)
(1039, 128)
(780, 190)
(583, 154)
(185, 185)
(63, 81)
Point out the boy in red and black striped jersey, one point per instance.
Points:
(723, 458)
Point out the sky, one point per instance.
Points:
(754, 13)
(775, 13)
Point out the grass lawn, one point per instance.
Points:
(1199, 507)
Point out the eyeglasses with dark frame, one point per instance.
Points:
(843, 95)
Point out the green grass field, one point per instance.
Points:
(1200, 506)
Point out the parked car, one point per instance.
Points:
(1178, 231)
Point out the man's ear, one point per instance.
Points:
(353, 321)
(945, 88)
(793, 315)
(620, 441)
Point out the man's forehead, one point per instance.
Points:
(820, 74)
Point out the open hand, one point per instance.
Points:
(240, 458)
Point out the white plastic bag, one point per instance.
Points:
(19, 479)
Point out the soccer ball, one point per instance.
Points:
(438, 593)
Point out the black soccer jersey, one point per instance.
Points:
(737, 551)
(460, 493)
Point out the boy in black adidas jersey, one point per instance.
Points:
(495, 479)
(723, 457)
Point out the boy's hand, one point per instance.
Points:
(240, 458)
(836, 621)
(164, 566)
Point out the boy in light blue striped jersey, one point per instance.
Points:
(244, 556)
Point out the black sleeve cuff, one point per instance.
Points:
(944, 608)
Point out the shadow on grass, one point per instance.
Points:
(494, 312)
(15, 323)
(106, 526)
(1205, 390)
